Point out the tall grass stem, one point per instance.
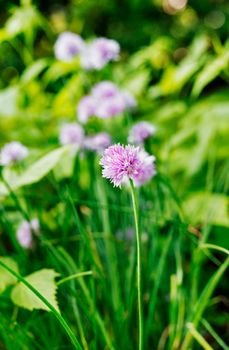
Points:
(139, 280)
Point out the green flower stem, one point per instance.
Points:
(139, 286)
(62, 321)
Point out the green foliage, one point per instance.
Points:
(44, 282)
(6, 279)
(175, 62)
(34, 173)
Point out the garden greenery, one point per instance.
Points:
(141, 100)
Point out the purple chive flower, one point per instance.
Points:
(86, 108)
(105, 101)
(109, 107)
(67, 46)
(121, 163)
(146, 170)
(97, 54)
(72, 133)
(12, 153)
(141, 131)
(105, 89)
(98, 142)
(110, 100)
(25, 232)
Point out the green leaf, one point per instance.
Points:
(59, 69)
(210, 72)
(136, 83)
(22, 20)
(34, 70)
(65, 101)
(201, 206)
(44, 282)
(8, 101)
(6, 279)
(42, 167)
(35, 172)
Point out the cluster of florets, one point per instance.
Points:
(73, 133)
(105, 101)
(140, 132)
(123, 163)
(93, 55)
(12, 153)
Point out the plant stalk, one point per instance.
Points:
(139, 281)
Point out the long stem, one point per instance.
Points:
(62, 321)
(139, 287)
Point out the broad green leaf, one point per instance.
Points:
(65, 101)
(23, 19)
(34, 70)
(35, 172)
(59, 69)
(156, 54)
(201, 207)
(64, 169)
(137, 82)
(175, 77)
(8, 101)
(210, 72)
(6, 279)
(42, 167)
(44, 282)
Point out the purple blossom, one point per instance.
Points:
(98, 142)
(97, 54)
(105, 89)
(141, 131)
(72, 133)
(86, 108)
(121, 163)
(25, 232)
(105, 101)
(12, 153)
(146, 170)
(110, 101)
(109, 107)
(67, 46)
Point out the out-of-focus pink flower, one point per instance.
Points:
(98, 142)
(72, 133)
(12, 153)
(146, 170)
(121, 163)
(25, 232)
(97, 54)
(67, 46)
(110, 101)
(105, 89)
(141, 131)
(86, 108)
(110, 107)
(105, 101)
